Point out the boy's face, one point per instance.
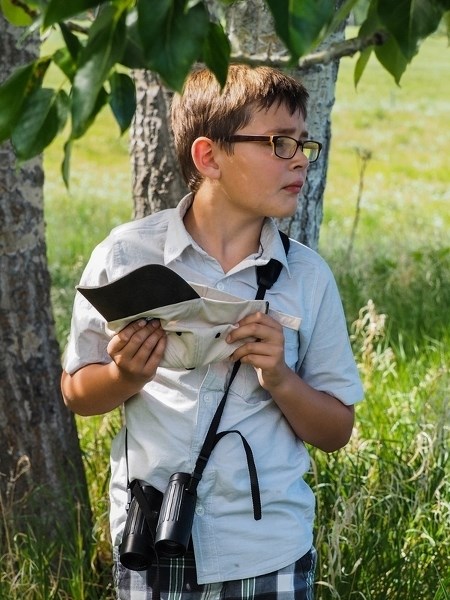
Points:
(256, 182)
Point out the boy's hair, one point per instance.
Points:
(203, 109)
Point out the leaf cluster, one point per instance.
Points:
(103, 40)
(407, 23)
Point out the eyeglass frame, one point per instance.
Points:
(273, 140)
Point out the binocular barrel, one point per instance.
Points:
(167, 529)
(138, 542)
(176, 517)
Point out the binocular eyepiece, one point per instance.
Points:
(158, 524)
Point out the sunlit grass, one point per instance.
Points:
(407, 181)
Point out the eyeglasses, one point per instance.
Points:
(283, 145)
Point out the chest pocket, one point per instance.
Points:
(246, 384)
(291, 347)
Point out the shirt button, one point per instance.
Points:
(220, 286)
(207, 399)
(199, 510)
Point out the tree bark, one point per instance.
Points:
(41, 472)
(157, 180)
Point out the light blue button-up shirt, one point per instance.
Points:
(168, 420)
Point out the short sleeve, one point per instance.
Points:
(328, 364)
(88, 338)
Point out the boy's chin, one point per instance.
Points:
(284, 212)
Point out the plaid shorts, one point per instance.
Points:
(178, 581)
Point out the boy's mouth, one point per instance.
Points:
(294, 188)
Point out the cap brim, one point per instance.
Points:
(143, 289)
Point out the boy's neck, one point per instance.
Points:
(226, 235)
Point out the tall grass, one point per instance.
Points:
(384, 510)
(383, 502)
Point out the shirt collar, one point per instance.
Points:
(178, 239)
(271, 244)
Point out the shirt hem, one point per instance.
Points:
(263, 570)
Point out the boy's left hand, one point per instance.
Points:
(266, 354)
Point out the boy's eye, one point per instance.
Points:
(284, 143)
(285, 147)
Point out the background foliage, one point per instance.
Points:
(102, 40)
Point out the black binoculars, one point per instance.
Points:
(156, 523)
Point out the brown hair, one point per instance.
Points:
(204, 110)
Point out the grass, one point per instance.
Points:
(383, 512)
(384, 501)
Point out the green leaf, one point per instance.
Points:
(216, 52)
(65, 62)
(152, 22)
(409, 21)
(15, 89)
(100, 102)
(12, 92)
(133, 53)
(342, 13)
(103, 49)
(446, 22)
(122, 99)
(280, 14)
(60, 10)
(309, 19)
(65, 165)
(387, 54)
(15, 14)
(361, 64)
(300, 24)
(392, 58)
(173, 35)
(73, 44)
(44, 115)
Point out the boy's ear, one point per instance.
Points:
(203, 154)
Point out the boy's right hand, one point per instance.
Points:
(98, 388)
(138, 349)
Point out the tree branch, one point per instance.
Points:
(334, 52)
(26, 9)
(340, 49)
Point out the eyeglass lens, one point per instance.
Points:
(286, 147)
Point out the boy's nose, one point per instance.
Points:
(299, 160)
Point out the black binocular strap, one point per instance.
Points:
(254, 484)
(266, 276)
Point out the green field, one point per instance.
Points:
(383, 512)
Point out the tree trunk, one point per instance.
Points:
(157, 180)
(41, 471)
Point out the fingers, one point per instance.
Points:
(267, 346)
(138, 348)
(134, 334)
(259, 326)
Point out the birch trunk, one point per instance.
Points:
(157, 181)
(40, 457)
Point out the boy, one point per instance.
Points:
(244, 154)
